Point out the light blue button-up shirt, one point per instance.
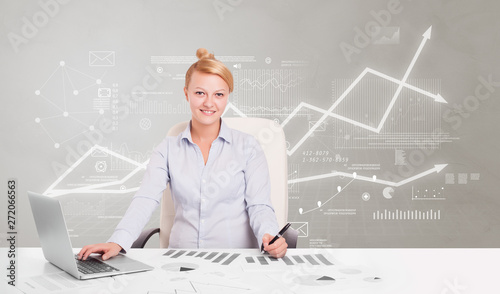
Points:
(223, 204)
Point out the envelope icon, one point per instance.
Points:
(101, 58)
(104, 92)
(301, 227)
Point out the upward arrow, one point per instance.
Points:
(427, 36)
(437, 168)
(427, 33)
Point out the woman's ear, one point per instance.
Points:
(186, 94)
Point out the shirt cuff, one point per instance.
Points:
(123, 239)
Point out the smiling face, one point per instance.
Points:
(207, 95)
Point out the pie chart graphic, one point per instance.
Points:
(314, 280)
(387, 192)
(179, 267)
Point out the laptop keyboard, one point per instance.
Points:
(93, 266)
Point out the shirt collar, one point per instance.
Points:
(224, 132)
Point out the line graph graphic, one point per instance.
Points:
(280, 80)
(321, 204)
(354, 176)
(436, 169)
(267, 89)
(117, 186)
(329, 113)
(401, 84)
(101, 187)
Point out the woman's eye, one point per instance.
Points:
(219, 95)
(199, 93)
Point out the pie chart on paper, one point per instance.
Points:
(180, 267)
(314, 280)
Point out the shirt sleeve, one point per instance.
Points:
(258, 193)
(145, 200)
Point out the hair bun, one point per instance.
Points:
(203, 53)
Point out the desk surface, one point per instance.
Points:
(385, 271)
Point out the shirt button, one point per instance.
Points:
(203, 181)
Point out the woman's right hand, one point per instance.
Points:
(107, 250)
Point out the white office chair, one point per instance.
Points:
(272, 139)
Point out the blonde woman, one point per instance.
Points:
(209, 213)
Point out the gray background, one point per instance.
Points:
(282, 54)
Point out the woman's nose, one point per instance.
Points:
(209, 101)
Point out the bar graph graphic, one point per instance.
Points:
(407, 214)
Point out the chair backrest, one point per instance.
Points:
(272, 139)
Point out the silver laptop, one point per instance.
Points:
(56, 244)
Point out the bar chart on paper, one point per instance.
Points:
(268, 263)
(223, 258)
(187, 260)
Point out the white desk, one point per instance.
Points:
(422, 271)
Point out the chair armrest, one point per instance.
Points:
(291, 237)
(144, 237)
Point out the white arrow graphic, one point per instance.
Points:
(401, 84)
(426, 36)
(51, 192)
(437, 168)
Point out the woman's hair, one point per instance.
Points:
(208, 64)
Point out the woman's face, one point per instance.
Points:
(207, 95)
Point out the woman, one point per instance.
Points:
(218, 176)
